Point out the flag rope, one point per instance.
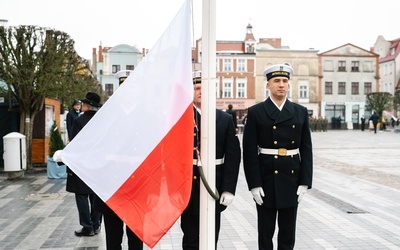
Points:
(204, 180)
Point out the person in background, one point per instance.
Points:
(113, 225)
(278, 159)
(228, 156)
(362, 123)
(73, 113)
(374, 118)
(89, 218)
(244, 118)
(233, 114)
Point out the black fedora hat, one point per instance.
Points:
(92, 99)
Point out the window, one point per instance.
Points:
(217, 94)
(367, 87)
(342, 66)
(266, 91)
(116, 68)
(328, 65)
(342, 88)
(354, 88)
(227, 65)
(250, 48)
(217, 65)
(368, 66)
(109, 89)
(241, 65)
(130, 67)
(328, 88)
(355, 66)
(241, 88)
(303, 91)
(227, 89)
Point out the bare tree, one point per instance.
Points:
(36, 63)
(379, 101)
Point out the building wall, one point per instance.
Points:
(121, 55)
(348, 106)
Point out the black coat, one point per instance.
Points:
(233, 114)
(374, 118)
(74, 183)
(71, 116)
(279, 176)
(227, 146)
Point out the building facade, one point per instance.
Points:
(235, 72)
(347, 74)
(109, 60)
(389, 64)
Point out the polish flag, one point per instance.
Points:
(136, 152)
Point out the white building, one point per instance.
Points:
(109, 60)
(348, 73)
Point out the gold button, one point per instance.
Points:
(291, 156)
(292, 142)
(292, 171)
(194, 177)
(276, 171)
(274, 127)
(276, 157)
(194, 134)
(275, 142)
(293, 126)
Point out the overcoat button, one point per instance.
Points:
(276, 171)
(276, 157)
(275, 142)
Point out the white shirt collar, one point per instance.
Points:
(279, 107)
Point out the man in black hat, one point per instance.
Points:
(72, 114)
(89, 218)
(227, 169)
(277, 158)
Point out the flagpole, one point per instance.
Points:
(208, 100)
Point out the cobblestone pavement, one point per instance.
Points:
(354, 203)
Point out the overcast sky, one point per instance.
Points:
(301, 24)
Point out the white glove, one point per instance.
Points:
(57, 156)
(301, 191)
(226, 198)
(258, 193)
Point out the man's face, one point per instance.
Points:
(85, 107)
(197, 93)
(77, 107)
(278, 87)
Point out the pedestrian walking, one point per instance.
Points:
(374, 119)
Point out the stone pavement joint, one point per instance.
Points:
(335, 202)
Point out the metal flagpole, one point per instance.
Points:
(208, 105)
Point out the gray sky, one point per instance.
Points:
(319, 24)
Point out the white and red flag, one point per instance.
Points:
(136, 152)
